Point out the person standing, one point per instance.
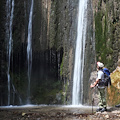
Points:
(101, 88)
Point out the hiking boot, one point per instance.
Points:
(99, 109)
(117, 105)
(103, 109)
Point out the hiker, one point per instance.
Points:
(101, 88)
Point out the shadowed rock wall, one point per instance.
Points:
(53, 43)
(53, 46)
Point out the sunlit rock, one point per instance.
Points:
(114, 90)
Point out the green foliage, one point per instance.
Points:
(103, 48)
(101, 37)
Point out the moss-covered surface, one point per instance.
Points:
(48, 93)
(106, 33)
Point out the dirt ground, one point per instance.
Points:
(57, 113)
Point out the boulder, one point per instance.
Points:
(114, 90)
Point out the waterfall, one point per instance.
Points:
(9, 24)
(29, 50)
(77, 95)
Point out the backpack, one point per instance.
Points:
(107, 79)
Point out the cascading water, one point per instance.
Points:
(77, 94)
(9, 24)
(29, 50)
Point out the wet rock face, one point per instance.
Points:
(63, 29)
(89, 61)
(53, 44)
(3, 76)
(54, 34)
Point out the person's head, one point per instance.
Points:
(100, 65)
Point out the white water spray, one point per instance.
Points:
(29, 49)
(77, 95)
(9, 24)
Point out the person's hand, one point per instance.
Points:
(92, 86)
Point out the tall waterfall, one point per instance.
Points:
(29, 49)
(77, 95)
(9, 24)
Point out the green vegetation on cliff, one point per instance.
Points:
(106, 33)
